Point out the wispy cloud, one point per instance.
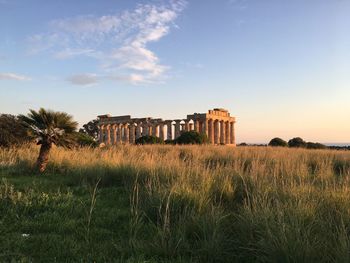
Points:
(238, 4)
(85, 79)
(13, 76)
(71, 53)
(119, 42)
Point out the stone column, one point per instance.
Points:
(156, 127)
(170, 131)
(216, 132)
(222, 132)
(101, 135)
(177, 128)
(108, 134)
(196, 125)
(205, 128)
(119, 133)
(145, 129)
(211, 131)
(150, 129)
(187, 125)
(122, 131)
(161, 131)
(126, 133)
(227, 132)
(111, 134)
(138, 131)
(233, 137)
(200, 128)
(132, 133)
(155, 130)
(114, 128)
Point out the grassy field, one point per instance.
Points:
(175, 204)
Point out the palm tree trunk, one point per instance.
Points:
(43, 157)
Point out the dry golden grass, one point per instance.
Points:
(217, 203)
(282, 167)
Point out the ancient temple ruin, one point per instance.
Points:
(217, 124)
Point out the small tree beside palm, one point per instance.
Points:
(49, 127)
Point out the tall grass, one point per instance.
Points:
(217, 204)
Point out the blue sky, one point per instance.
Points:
(281, 67)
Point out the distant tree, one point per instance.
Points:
(333, 147)
(12, 131)
(192, 137)
(242, 144)
(148, 139)
(49, 127)
(313, 145)
(297, 142)
(169, 141)
(85, 140)
(91, 129)
(278, 142)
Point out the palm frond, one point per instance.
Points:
(50, 126)
(37, 119)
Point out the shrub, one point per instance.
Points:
(313, 145)
(148, 139)
(278, 142)
(297, 143)
(84, 140)
(169, 141)
(12, 131)
(192, 137)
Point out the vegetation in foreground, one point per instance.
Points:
(175, 204)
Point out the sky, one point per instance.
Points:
(282, 68)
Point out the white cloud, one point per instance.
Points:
(131, 78)
(141, 61)
(87, 25)
(119, 42)
(83, 79)
(13, 76)
(70, 53)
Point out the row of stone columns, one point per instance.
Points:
(221, 132)
(128, 133)
(218, 131)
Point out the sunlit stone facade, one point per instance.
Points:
(217, 124)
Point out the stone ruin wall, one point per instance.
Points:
(217, 124)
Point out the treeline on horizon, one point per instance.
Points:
(296, 142)
(13, 132)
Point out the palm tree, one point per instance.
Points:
(49, 127)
